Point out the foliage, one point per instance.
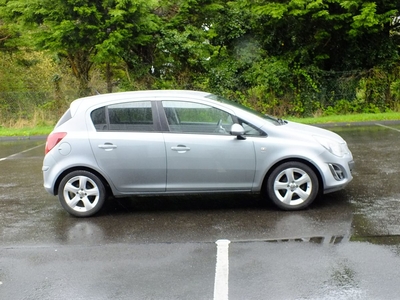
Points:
(85, 32)
(19, 95)
(329, 34)
(291, 57)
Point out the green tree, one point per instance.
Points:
(84, 31)
(278, 52)
(184, 48)
(333, 34)
(129, 38)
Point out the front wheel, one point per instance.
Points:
(81, 193)
(292, 186)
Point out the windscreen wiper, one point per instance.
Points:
(281, 122)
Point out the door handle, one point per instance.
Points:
(107, 146)
(180, 148)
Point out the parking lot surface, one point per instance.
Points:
(345, 246)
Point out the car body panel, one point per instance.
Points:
(209, 162)
(134, 161)
(56, 162)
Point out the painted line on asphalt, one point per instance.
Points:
(221, 283)
(395, 129)
(15, 154)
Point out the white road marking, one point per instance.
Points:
(15, 154)
(221, 283)
(395, 129)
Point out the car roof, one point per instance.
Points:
(86, 102)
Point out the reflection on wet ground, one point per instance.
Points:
(374, 191)
(11, 146)
(309, 271)
(326, 240)
(346, 246)
(368, 208)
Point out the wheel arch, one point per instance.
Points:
(294, 159)
(81, 168)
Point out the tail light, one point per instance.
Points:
(53, 139)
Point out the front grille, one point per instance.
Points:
(337, 172)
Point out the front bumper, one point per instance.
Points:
(341, 176)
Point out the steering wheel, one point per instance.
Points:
(219, 128)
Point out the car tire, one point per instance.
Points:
(81, 193)
(292, 186)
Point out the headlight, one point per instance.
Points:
(338, 149)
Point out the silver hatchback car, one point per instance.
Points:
(181, 142)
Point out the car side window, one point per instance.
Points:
(192, 117)
(251, 130)
(130, 116)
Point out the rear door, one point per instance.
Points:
(128, 147)
(201, 154)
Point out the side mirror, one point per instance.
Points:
(238, 130)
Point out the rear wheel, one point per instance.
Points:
(292, 186)
(81, 193)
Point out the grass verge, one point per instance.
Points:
(356, 118)
(26, 131)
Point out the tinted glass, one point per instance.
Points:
(99, 118)
(250, 129)
(193, 117)
(132, 116)
(269, 118)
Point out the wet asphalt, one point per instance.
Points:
(346, 246)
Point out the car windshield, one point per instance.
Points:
(269, 118)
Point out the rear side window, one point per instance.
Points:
(131, 116)
(99, 119)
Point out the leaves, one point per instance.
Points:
(262, 49)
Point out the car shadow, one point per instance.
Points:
(177, 203)
(209, 202)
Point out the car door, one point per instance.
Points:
(201, 154)
(128, 147)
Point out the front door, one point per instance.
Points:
(201, 154)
